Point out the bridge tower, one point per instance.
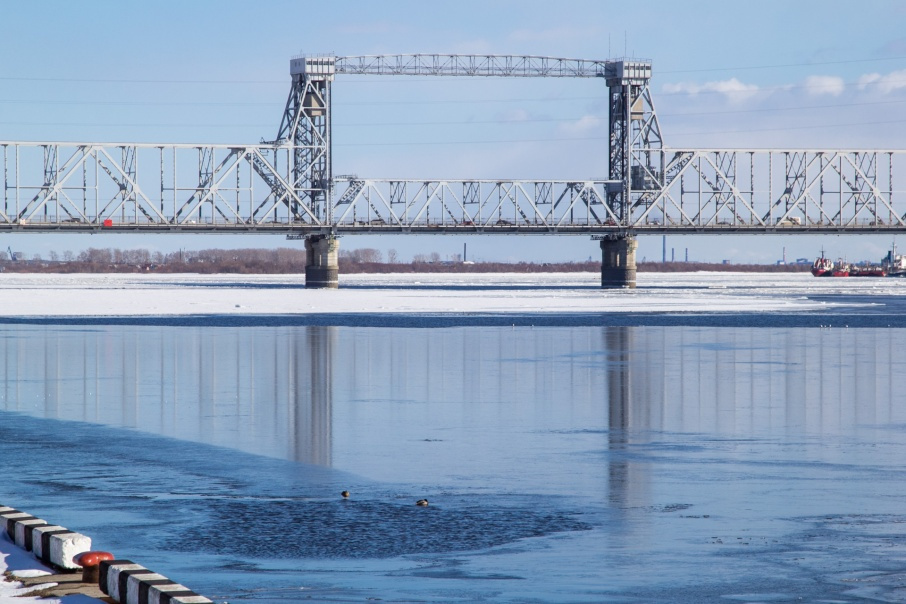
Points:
(306, 128)
(636, 161)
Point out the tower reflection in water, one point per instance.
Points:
(745, 382)
(264, 390)
(618, 347)
(753, 381)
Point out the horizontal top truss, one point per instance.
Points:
(473, 65)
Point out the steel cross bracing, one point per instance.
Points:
(153, 187)
(703, 191)
(472, 65)
(288, 184)
(79, 186)
(150, 187)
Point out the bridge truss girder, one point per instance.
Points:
(482, 206)
(776, 191)
(236, 188)
(93, 186)
(471, 65)
(705, 191)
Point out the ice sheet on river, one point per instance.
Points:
(123, 295)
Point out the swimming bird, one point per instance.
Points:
(345, 494)
(422, 502)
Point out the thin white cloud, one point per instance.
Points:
(867, 80)
(733, 89)
(885, 84)
(584, 125)
(820, 85)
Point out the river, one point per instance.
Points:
(584, 463)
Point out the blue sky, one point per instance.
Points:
(726, 74)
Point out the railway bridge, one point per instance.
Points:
(287, 185)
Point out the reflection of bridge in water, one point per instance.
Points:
(263, 391)
(288, 185)
(297, 393)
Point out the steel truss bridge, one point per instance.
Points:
(288, 185)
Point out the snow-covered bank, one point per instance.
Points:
(37, 295)
(22, 564)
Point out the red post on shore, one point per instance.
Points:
(91, 565)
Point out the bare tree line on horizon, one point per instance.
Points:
(292, 260)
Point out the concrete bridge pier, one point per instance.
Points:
(322, 269)
(618, 262)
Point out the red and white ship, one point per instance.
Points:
(824, 267)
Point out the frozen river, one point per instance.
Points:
(703, 438)
(416, 295)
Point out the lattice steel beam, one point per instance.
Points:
(92, 186)
(472, 65)
(786, 191)
(82, 186)
(482, 206)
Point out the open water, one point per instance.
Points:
(654, 462)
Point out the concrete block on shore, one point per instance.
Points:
(122, 580)
(49, 543)
(130, 583)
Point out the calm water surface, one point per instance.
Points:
(587, 464)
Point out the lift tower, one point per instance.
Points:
(636, 163)
(636, 148)
(305, 126)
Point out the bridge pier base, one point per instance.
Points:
(618, 263)
(322, 270)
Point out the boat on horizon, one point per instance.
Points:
(892, 265)
(825, 267)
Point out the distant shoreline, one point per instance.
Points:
(288, 261)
